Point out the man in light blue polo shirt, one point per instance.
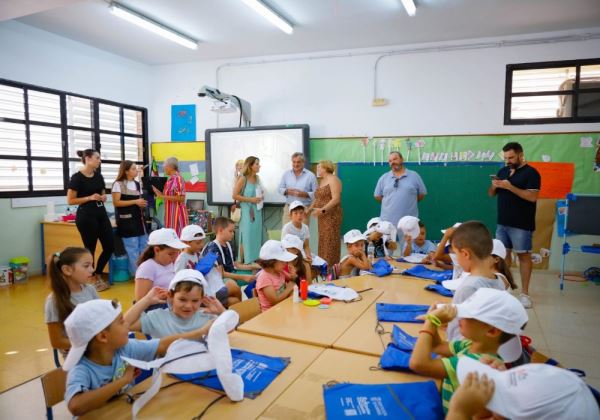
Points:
(297, 184)
(399, 190)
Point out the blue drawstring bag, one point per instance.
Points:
(207, 263)
(382, 268)
(426, 273)
(257, 372)
(402, 339)
(438, 288)
(392, 312)
(416, 400)
(395, 359)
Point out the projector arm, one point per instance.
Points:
(244, 106)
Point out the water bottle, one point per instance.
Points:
(371, 252)
(296, 294)
(303, 289)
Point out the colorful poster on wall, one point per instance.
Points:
(192, 165)
(183, 122)
(557, 178)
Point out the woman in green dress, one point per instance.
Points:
(249, 193)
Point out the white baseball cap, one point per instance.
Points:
(192, 233)
(82, 325)
(166, 237)
(535, 391)
(295, 204)
(274, 250)
(409, 225)
(292, 241)
(372, 222)
(454, 284)
(189, 274)
(499, 309)
(498, 249)
(457, 224)
(387, 229)
(353, 236)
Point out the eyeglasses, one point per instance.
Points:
(396, 182)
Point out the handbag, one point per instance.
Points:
(236, 211)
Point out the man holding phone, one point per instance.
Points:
(517, 186)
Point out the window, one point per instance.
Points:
(42, 129)
(552, 92)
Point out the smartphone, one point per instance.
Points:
(494, 177)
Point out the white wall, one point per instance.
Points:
(454, 92)
(37, 57)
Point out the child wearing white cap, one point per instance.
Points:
(300, 267)
(185, 297)
(417, 243)
(490, 320)
(296, 227)
(532, 391)
(383, 238)
(96, 369)
(356, 259)
(156, 266)
(273, 284)
(193, 236)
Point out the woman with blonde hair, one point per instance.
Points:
(176, 216)
(328, 210)
(249, 193)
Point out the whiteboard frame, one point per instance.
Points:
(207, 138)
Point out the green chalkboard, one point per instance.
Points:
(456, 192)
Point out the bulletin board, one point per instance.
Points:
(192, 164)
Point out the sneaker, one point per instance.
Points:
(100, 284)
(525, 301)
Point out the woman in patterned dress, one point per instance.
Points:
(328, 210)
(176, 216)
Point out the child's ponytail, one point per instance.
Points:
(60, 289)
(503, 269)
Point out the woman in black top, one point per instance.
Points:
(87, 190)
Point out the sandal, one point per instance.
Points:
(100, 284)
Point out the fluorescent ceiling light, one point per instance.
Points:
(269, 14)
(410, 7)
(152, 25)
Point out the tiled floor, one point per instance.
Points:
(563, 325)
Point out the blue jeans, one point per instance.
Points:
(134, 246)
(519, 240)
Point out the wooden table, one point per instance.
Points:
(309, 324)
(361, 336)
(184, 401)
(56, 236)
(304, 398)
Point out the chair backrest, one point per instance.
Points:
(247, 309)
(54, 384)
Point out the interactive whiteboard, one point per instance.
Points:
(273, 145)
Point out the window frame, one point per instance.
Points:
(508, 94)
(65, 127)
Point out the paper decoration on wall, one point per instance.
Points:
(183, 122)
(557, 178)
(382, 143)
(365, 143)
(546, 158)
(192, 166)
(597, 159)
(586, 142)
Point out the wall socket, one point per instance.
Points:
(379, 102)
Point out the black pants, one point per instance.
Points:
(93, 224)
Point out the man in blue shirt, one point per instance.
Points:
(297, 184)
(399, 190)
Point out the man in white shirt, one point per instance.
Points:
(297, 184)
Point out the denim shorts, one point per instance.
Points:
(519, 240)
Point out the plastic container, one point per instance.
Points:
(20, 269)
(303, 289)
(118, 269)
(6, 278)
(296, 294)
(371, 252)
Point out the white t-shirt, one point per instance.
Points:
(116, 187)
(303, 233)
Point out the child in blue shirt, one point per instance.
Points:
(99, 340)
(418, 245)
(185, 298)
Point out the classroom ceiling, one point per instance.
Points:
(229, 29)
